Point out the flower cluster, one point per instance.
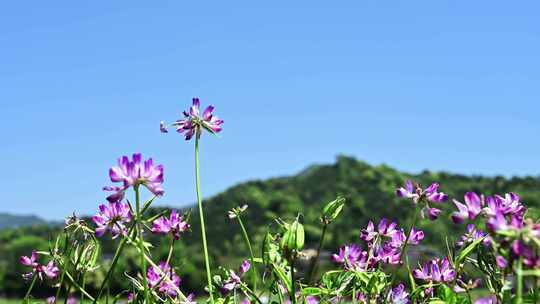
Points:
(423, 196)
(436, 271)
(133, 173)
(112, 218)
(48, 270)
(384, 245)
(175, 225)
(193, 122)
(164, 279)
(398, 295)
(234, 280)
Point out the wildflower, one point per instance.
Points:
(234, 279)
(492, 299)
(50, 300)
(387, 254)
(508, 205)
(398, 295)
(234, 212)
(501, 262)
(399, 237)
(312, 300)
(471, 208)
(175, 224)
(442, 272)
(351, 257)
(190, 299)
(193, 122)
(112, 218)
(71, 300)
(134, 173)
(425, 196)
(472, 235)
(165, 276)
(436, 270)
(49, 270)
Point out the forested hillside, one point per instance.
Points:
(370, 194)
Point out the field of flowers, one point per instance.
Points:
(496, 260)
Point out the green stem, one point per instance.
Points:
(83, 286)
(404, 250)
(519, 287)
(315, 262)
(246, 238)
(293, 283)
(113, 264)
(30, 289)
(140, 241)
(201, 217)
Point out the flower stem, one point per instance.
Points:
(293, 283)
(246, 238)
(313, 266)
(201, 217)
(519, 287)
(140, 243)
(113, 264)
(30, 289)
(404, 250)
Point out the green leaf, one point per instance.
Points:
(467, 250)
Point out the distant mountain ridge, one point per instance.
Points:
(8, 220)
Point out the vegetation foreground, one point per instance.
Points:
(498, 253)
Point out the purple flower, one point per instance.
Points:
(387, 254)
(165, 276)
(492, 299)
(368, 233)
(436, 270)
(312, 300)
(190, 299)
(426, 196)
(471, 208)
(387, 229)
(234, 279)
(417, 194)
(49, 270)
(433, 213)
(501, 262)
(71, 300)
(134, 173)
(351, 257)
(194, 122)
(398, 238)
(398, 295)
(112, 218)
(175, 224)
(50, 300)
(442, 272)
(472, 235)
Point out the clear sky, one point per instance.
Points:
(443, 85)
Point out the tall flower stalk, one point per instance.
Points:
(192, 125)
(201, 218)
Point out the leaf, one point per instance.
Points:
(467, 250)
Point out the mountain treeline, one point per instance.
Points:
(369, 192)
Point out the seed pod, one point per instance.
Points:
(293, 238)
(332, 210)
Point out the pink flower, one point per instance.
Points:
(175, 224)
(132, 173)
(167, 285)
(194, 122)
(112, 218)
(49, 270)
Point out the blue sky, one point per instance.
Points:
(443, 85)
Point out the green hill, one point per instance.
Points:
(13, 221)
(369, 191)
